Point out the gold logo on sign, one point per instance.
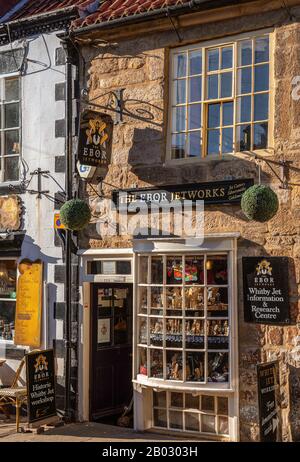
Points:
(263, 268)
(41, 364)
(96, 132)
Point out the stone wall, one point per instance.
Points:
(140, 66)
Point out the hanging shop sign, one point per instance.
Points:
(29, 304)
(266, 291)
(40, 384)
(268, 389)
(94, 145)
(219, 192)
(10, 213)
(85, 171)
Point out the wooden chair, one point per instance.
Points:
(14, 395)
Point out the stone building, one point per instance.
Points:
(200, 93)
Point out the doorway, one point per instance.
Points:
(111, 350)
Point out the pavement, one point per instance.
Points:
(83, 432)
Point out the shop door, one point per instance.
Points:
(111, 367)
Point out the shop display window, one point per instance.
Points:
(8, 280)
(184, 312)
(192, 413)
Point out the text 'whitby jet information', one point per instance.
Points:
(40, 385)
(266, 293)
(269, 417)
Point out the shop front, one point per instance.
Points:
(169, 328)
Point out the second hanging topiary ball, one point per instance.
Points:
(259, 203)
(75, 214)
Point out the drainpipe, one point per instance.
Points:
(68, 262)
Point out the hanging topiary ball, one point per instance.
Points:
(259, 203)
(75, 214)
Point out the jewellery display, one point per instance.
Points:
(174, 333)
(143, 332)
(217, 301)
(195, 367)
(174, 298)
(194, 298)
(156, 361)
(156, 332)
(218, 367)
(217, 332)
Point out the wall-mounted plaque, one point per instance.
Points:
(10, 213)
(266, 291)
(29, 304)
(95, 136)
(269, 413)
(40, 384)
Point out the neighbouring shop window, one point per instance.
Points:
(10, 128)
(11, 61)
(220, 98)
(8, 278)
(183, 316)
(188, 412)
(109, 267)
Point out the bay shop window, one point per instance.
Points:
(184, 339)
(8, 280)
(220, 97)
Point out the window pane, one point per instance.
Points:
(142, 330)
(208, 403)
(156, 300)
(195, 92)
(245, 53)
(179, 117)
(213, 142)
(143, 361)
(11, 168)
(194, 117)
(173, 333)
(244, 82)
(174, 365)
(8, 275)
(174, 270)
(218, 367)
(156, 364)
(261, 80)
(222, 405)
(217, 332)
(261, 107)
(143, 303)
(194, 334)
(260, 136)
(226, 58)
(11, 115)
(192, 422)
(7, 320)
(180, 91)
(244, 109)
(262, 50)
(223, 426)
(194, 144)
(227, 114)
(191, 402)
(213, 82)
(226, 84)
(214, 115)
(160, 418)
(160, 399)
(177, 400)
(208, 424)
(195, 367)
(216, 270)
(194, 303)
(157, 266)
(243, 138)
(195, 62)
(11, 89)
(11, 62)
(213, 59)
(227, 140)
(12, 145)
(156, 331)
(194, 270)
(217, 302)
(174, 300)
(180, 65)
(178, 146)
(176, 420)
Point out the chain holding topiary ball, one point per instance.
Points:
(75, 214)
(259, 203)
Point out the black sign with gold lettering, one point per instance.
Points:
(94, 142)
(266, 291)
(219, 192)
(40, 385)
(268, 390)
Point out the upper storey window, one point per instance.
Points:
(220, 98)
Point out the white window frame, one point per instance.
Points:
(214, 245)
(269, 151)
(4, 78)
